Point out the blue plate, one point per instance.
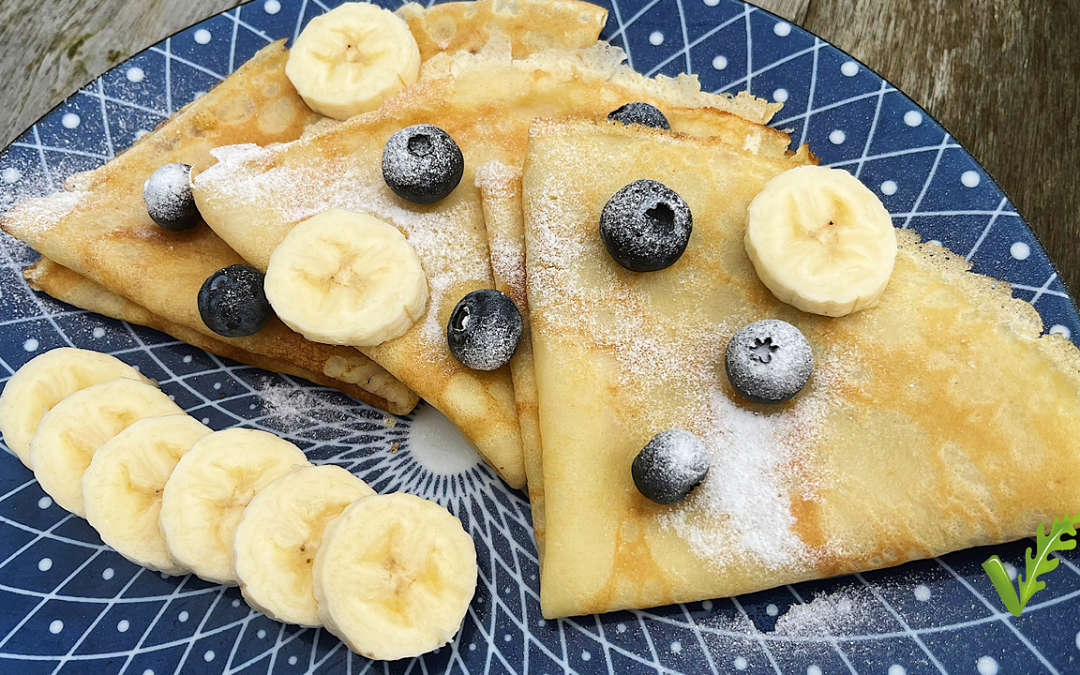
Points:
(69, 604)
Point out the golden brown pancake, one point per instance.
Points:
(896, 450)
(254, 196)
(67, 286)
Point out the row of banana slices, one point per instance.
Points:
(391, 575)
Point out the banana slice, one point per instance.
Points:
(351, 59)
(46, 380)
(281, 529)
(123, 484)
(346, 278)
(394, 576)
(821, 241)
(69, 434)
(205, 496)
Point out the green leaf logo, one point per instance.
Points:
(1039, 563)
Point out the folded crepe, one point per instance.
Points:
(896, 450)
(252, 197)
(100, 228)
(67, 286)
(500, 195)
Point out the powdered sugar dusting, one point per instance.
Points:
(295, 408)
(843, 612)
(36, 216)
(500, 185)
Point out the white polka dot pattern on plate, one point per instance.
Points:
(585, 656)
(45, 564)
(203, 36)
(719, 62)
(922, 593)
(970, 179)
(1020, 250)
(772, 610)
(740, 663)
(147, 672)
(292, 660)
(656, 38)
(271, 7)
(11, 175)
(123, 626)
(780, 95)
(136, 74)
(712, 3)
(888, 188)
(182, 617)
(850, 69)
(56, 626)
(261, 634)
(44, 503)
(897, 669)
(70, 121)
(986, 665)
(107, 573)
(813, 669)
(837, 137)
(782, 29)
(30, 345)
(913, 118)
(208, 656)
(676, 647)
(1058, 329)
(98, 332)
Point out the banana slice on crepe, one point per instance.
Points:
(346, 278)
(46, 380)
(122, 486)
(351, 59)
(205, 496)
(69, 434)
(821, 241)
(280, 532)
(394, 576)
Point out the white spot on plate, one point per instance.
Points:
(621, 628)
(261, 634)
(780, 95)
(712, 3)
(437, 444)
(837, 136)
(56, 626)
(1020, 250)
(935, 242)
(813, 669)
(850, 68)
(123, 626)
(292, 660)
(676, 647)
(772, 610)
(205, 420)
(922, 593)
(986, 665)
(271, 6)
(140, 133)
(236, 603)
(656, 38)
(99, 332)
(888, 188)
(30, 345)
(147, 672)
(970, 179)
(1010, 569)
(897, 669)
(740, 663)
(70, 120)
(507, 637)
(12, 175)
(44, 503)
(541, 623)
(187, 359)
(208, 656)
(202, 36)
(707, 605)
(217, 385)
(45, 564)
(719, 62)
(1058, 329)
(136, 75)
(182, 617)
(782, 29)
(585, 656)
(472, 646)
(913, 118)
(1078, 640)
(107, 573)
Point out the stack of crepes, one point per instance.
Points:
(896, 450)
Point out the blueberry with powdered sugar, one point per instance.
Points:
(769, 361)
(422, 164)
(169, 200)
(640, 113)
(232, 302)
(670, 466)
(646, 226)
(484, 330)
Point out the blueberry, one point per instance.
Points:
(769, 361)
(670, 466)
(422, 164)
(232, 302)
(640, 113)
(168, 198)
(484, 330)
(646, 226)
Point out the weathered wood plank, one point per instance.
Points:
(1000, 74)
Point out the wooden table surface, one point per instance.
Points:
(1001, 75)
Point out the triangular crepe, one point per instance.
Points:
(67, 286)
(254, 196)
(937, 420)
